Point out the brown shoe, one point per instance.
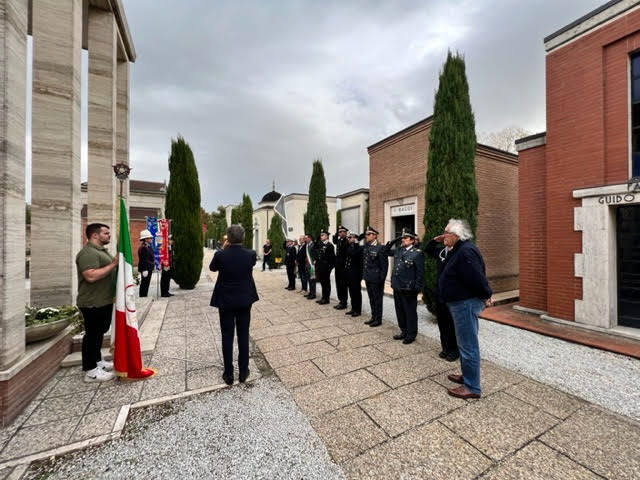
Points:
(462, 392)
(456, 379)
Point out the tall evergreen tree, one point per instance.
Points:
(235, 215)
(451, 181)
(182, 206)
(276, 236)
(246, 220)
(316, 217)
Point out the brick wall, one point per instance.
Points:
(532, 229)
(398, 168)
(587, 140)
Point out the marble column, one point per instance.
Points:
(55, 143)
(101, 182)
(122, 121)
(13, 55)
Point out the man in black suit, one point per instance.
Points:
(290, 263)
(233, 295)
(301, 260)
(342, 244)
(325, 262)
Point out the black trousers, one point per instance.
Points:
(144, 283)
(291, 275)
(96, 323)
(447, 329)
(165, 279)
(342, 285)
(304, 276)
(355, 292)
(237, 319)
(406, 303)
(312, 286)
(266, 259)
(325, 283)
(376, 293)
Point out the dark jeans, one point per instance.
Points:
(97, 321)
(355, 292)
(144, 283)
(406, 303)
(447, 330)
(304, 276)
(165, 279)
(266, 260)
(291, 275)
(375, 292)
(341, 285)
(237, 319)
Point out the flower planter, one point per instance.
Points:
(43, 331)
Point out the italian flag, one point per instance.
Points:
(125, 343)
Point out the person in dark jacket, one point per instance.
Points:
(301, 261)
(146, 262)
(165, 276)
(290, 262)
(436, 250)
(406, 280)
(353, 274)
(310, 264)
(325, 261)
(233, 295)
(341, 243)
(374, 272)
(464, 287)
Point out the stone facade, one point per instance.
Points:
(576, 177)
(398, 170)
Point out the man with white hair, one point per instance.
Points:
(464, 287)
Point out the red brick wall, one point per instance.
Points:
(398, 168)
(587, 140)
(533, 229)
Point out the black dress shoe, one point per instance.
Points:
(369, 322)
(310, 297)
(442, 354)
(375, 323)
(340, 306)
(244, 375)
(399, 336)
(347, 313)
(407, 341)
(355, 314)
(228, 379)
(322, 301)
(452, 357)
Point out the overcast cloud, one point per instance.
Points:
(260, 89)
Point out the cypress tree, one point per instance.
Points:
(182, 206)
(246, 220)
(451, 181)
(316, 217)
(235, 215)
(276, 235)
(366, 216)
(338, 218)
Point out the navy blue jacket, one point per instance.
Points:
(146, 259)
(408, 268)
(375, 263)
(463, 275)
(235, 287)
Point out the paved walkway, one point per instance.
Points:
(380, 407)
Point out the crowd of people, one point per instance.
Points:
(462, 289)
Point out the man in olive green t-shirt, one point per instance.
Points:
(96, 281)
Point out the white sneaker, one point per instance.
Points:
(105, 365)
(98, 375)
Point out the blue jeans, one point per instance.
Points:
(465, 319)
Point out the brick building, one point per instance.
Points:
(146, 199)
(579, 203)
(397, 177)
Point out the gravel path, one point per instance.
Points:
(254, 431)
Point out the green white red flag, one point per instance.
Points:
(125, 342)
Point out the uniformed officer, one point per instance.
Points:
(311, 253)
(325, 261)
(341, 243)
(353, 274)
(406, 280)
(375, 266)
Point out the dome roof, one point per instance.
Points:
(272, 196)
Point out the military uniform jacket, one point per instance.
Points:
(290, 256)
(353, 263)
(408, 269)
(326, 258)
(342, 244)
(375, 263)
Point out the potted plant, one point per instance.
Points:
(43, 323)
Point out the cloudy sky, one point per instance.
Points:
(261, 88)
